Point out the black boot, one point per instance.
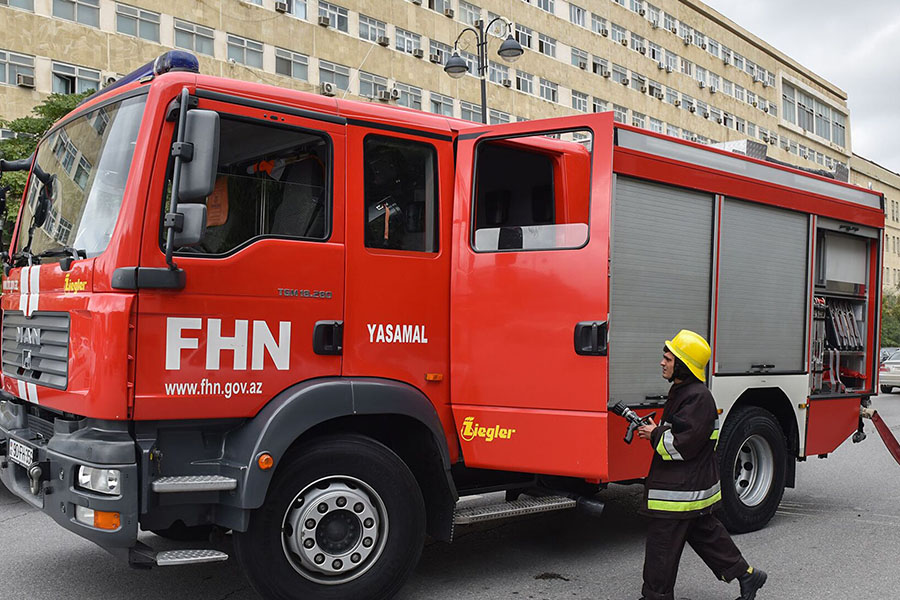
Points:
(751, 582)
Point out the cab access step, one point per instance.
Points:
(527, 505)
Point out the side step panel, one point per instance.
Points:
(193, 483)
(173, 558)
(503, 510)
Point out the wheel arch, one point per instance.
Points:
(775, 401)
(395, 414)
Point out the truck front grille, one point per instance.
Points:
(36, 349)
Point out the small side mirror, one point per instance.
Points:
(193, 225)
(44, 200)
(198, 173)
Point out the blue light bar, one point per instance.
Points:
(173, 60)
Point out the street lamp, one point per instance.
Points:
(509, 50)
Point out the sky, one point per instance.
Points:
(851, 43)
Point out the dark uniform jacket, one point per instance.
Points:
(684, 476)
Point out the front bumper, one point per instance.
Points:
(60, 447)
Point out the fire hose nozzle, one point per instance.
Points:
(866, 413)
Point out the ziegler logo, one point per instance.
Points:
(471, 430)
(73, 286)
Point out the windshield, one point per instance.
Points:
(88, 161)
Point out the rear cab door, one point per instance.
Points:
(529, 295)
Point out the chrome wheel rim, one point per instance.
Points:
(754, 470)
(334, 530)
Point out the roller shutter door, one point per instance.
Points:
(763, 288)
(660, 280)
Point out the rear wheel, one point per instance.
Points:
(752, 463)
(887, 389)
(343, 518)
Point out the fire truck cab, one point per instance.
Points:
(317, 323)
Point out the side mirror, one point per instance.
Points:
(44, 199)
(198, 173)
(193, 225)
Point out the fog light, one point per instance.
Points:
(102, 481)
(97, 518)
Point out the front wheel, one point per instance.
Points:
(886, 389)
(343, 518)
(752, 463)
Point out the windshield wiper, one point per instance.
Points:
(68, 253)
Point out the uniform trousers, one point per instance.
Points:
(665, 542)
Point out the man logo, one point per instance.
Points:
(471, 430)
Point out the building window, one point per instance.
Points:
(410, 96)
(442, 51)
(297, 8)
(712, 46)
(370, 85)
(497, 117)
(620, 113)
(727, 87)
(291, 64)
(441, 105)
(546, 5)
(672, 130)
(82, 172)
(407, 41)
(655, 52)
(700, 74)
(244, 51)
(653, 14)
(193, 37)
(339, 75)
(546, 45)
(671, 96)
(715, 81)
(671, 61)
(740, 125)
(23, 4)
(471, 61)
(670, 23)
(619, 74)
(637, 119)
(619, 34)
(524, 35)
(738, 62)
(498, 73)
(468, 13)
(599, 105)
(598, 24)
(469, 111)
(137, 22)
(687, 67)
(805, 105)
(739, 93)
(439, 5)
(12, 63)
(839, 132)
(637, 43)
(86, 12)
(599, 65)
(579, 101)
(823, 120)
(549, 90)
(69, 79)
(337, 15)
(577, 15)
(579, 58)
(371, 29)
(524, 82)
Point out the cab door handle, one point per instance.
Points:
(328, 338)
(591, 338)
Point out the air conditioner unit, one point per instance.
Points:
(654, 24)
(805, 155)
(678, 103)
(604, 72)
(773, 141)
(417, 1)
(643, 89)
(660, 65)
(418, 52)
(507, 83)
(703, 46)
(754, 103)
(756, 79)
(719, 120)
(384, 95)
(765, 109)
(435, 58)
(324, 21)
(659, 95)
(281, 7)
(642, 12)
(604, 32)
(108, 80)
(726, 60)
(326, 88)
(765, 83)
(383, 40)
(688, 40)
(692, 108)
(706, 115)
(642, 50)
(625, 81)
(695, 139)
(668, 68)
(395, 94)
(701, 84)
(713, 89)
(448, 12)
(25, 81)
(582, 65)
(674, 29)
(624, 41)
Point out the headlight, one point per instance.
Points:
(102, 481)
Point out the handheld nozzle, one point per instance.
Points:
(634, 421)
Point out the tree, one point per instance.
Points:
(890, 319)
(29, 131)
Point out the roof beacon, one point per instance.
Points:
(173, 60)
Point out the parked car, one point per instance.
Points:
(885, 352)
(889, 372)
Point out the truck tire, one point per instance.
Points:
(752, 456)
(343, 518)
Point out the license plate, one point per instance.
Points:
(21, 454)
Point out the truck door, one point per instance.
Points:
(529, 295)
(270, 267)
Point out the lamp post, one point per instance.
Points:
(509, 50)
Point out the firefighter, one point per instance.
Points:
(683, 488)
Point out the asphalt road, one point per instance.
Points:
(836, 536)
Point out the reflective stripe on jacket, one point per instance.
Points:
(684, 476)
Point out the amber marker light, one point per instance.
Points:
(265, 461)
(434, 376)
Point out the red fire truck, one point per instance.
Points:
(318, 323)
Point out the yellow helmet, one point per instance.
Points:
(692, 350)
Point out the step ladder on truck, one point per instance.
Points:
(319, 323)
